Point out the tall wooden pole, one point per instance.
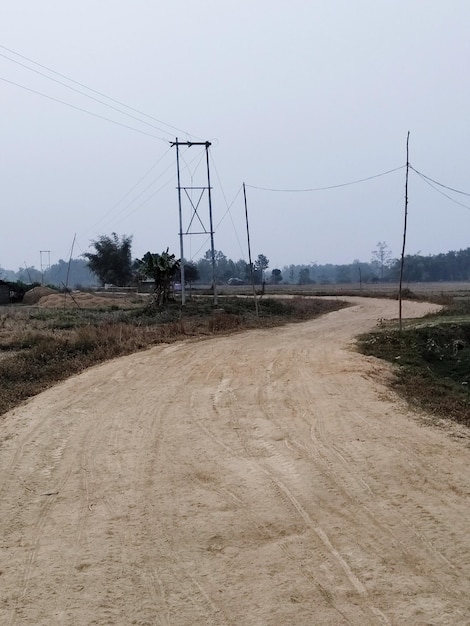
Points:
(249, 252)
(404, 231)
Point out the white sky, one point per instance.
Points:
(292, 94)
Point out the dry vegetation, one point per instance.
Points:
(40, 346)
(431, 359)
(60, 336)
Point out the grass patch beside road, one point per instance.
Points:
(432, 360)
(39, 347)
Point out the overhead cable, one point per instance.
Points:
(353, 182)
(463, 193)
(206, 241)
(425, 179)
(228, 206)
(127, 194)
(21, 56)
(120, 217)
(82, 93)
(77, 108)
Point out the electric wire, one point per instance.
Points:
(121, 215)
(206, 241)
(192, 173)
(110, 106)
(21, 56)
(145, 201)
(220, 221)
(353, 182)
(226, 203)
(463, 193)
(127, 194)
(425, 179)
(120, 218)
(77, 108)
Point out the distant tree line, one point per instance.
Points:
(111, 262)
(74, 274)
(444, 267)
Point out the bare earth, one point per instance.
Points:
(262, 478)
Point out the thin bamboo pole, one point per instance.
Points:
(404, 233)
(249, 252)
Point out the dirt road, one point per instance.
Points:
(265, 478)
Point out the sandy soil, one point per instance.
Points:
(265, 478)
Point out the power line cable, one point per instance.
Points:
(21, 56)
(220, 221)
(73, 106)
(121, 215)
(206, 242)
(134, 187)
(425, 179)
(353, 182)
(226, 203)
(150, 197)
(463, 193)
(110, 106)
(139, 206)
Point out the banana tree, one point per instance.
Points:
(162, 268)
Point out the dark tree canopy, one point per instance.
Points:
(191, 273)
(276, 276)
(304, 276)
(111, 261)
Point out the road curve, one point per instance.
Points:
(264, 478)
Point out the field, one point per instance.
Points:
(432, 290)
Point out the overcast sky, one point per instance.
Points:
(292, 95)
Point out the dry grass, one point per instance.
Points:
(432, 360)
(39, 347)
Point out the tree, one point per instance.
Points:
(222, 269)
(70, 273)
(191, 273)
(162, 268)
(204, 268)
(261, 265)
(343, 273)
(304, 276)
(381, 257)
(111, 261)
(276, 276)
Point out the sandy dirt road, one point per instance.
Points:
(265, 478)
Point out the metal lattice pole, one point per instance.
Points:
(195, 213)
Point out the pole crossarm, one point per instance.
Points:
(207, 144)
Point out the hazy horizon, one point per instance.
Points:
(292, 97)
